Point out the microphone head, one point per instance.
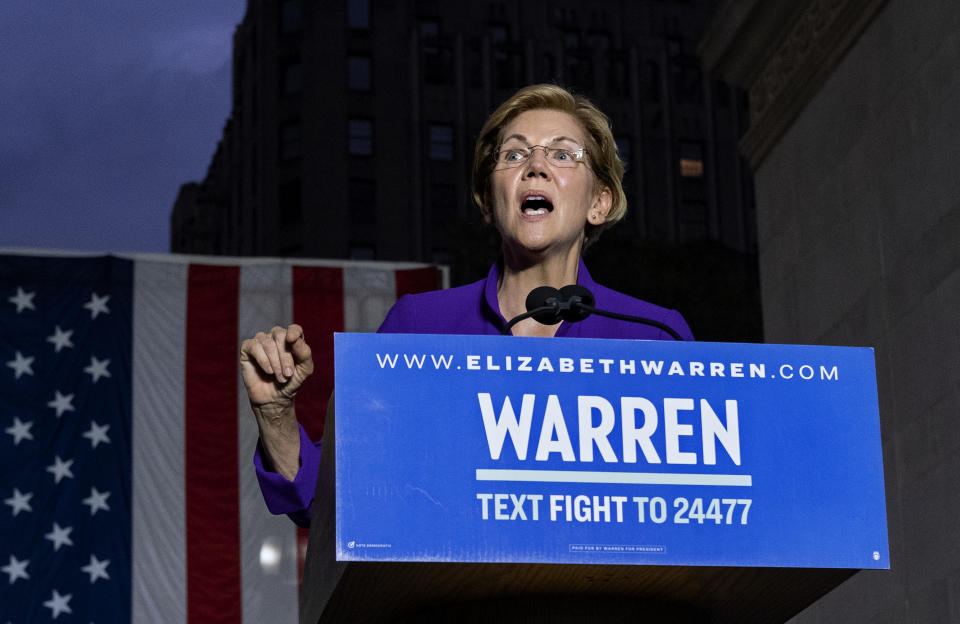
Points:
(545, 296)
(571, 295)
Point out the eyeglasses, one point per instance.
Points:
(514, 154)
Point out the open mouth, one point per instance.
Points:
(536, 205)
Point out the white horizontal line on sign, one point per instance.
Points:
(638, 478)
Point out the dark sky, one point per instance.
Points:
(106, 107)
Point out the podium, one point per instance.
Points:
(767, 579)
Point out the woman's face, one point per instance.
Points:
(538, 206)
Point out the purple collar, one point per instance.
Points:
(493, 305)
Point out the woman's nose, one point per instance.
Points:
(537, 164)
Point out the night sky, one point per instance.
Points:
(106, 107)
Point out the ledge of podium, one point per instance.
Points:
(335, 591)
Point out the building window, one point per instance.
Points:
(360, 137)
(507, 67)
(358, 14)
(290, 141)
(691, 159)
(438, 64)
(429, 29)
(289, 16)
(498, 34)
(291, 77)
(288, 197)
(358, 73)
(441, 142)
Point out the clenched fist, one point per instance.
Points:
(274, 366)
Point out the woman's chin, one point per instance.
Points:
(538, 248)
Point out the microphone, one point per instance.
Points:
(543, 304)
(573, 303)
(579, 303)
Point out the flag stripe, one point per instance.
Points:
(269, 586)
(213, 510)
(367, 296)
(318, 308)
(411, 281)
(179, 473)
(159, 549)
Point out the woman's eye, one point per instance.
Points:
(514, 155)
(562, 154)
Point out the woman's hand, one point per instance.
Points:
(274, 366)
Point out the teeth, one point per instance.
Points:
(535, 211)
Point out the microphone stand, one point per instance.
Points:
(573, 303)
(627, 317)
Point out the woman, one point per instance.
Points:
(546, 174)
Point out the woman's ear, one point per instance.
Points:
(485, 209)
(601, 207)
(487, 215)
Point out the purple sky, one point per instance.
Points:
(106, 107)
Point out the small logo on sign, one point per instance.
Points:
(876, 556)
(351, 544)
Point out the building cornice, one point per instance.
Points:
(781, 52)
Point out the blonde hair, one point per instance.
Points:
(601, 148)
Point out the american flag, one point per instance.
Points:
(125, 461)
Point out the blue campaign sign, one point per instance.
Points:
(503, 449)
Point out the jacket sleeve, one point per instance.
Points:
(293, 498)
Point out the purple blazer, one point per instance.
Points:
(470, 309)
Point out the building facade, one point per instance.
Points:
(353, 123)
(852, 137)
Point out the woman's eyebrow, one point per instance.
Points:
(515, 136)
(551, 141)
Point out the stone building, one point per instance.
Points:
(853, 135)
(353, 122)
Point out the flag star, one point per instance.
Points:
(59, 536)
(58, 604)
(97, 501)
(97, 368)
(62, 403)
(16, 569)
(60, 338)
(23, 300)
(60, 469)
(96, 569)
(21, 365)
(97, 434)
(20, 430)
(96, 305)
(19, 502)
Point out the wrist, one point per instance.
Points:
(275, 414)
(279, 437)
